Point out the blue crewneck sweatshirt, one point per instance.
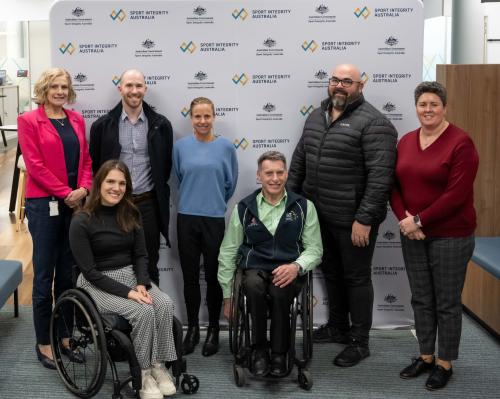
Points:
(207, 173)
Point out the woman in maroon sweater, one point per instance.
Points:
(434, 202)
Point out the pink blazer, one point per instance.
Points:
(43, 154)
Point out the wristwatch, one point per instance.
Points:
(300, 270)
(416, 220)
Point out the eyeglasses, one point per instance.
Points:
(334, 81)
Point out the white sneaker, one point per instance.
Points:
(150, 389)
(164, 380)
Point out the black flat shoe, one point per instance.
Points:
(191, 339)
(328, 333)
(278, 365)
(260, 362)
(439, 378)
(47, 362)
(417, 367)
(73, 355)
(351, 355)
(211, 345)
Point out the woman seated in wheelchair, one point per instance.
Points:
(108, 245)
(274, 236)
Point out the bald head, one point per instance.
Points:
(135, 73)
(345, 86)
(132, 88)
(350, 71)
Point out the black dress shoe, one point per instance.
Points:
(351, 355)
(73, 355)
(211, 345)
(328, 333)
(417, 367)
(191, 339)
(439, 378)
(260, 363)
(278, 365)
(46, 361)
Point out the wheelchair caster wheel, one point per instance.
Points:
(305, 380)
(190, 384)
(239, 375)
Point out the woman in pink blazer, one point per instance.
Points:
(57, 159)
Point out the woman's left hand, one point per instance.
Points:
(141, 289)
(408, 225)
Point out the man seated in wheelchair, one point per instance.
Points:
(274, 236)
(108, 245)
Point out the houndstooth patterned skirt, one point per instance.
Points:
(152, 334)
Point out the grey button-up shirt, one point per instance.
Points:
(134, 153)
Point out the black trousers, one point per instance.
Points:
(150, 215)
(196, 236)
(260, 289)
(348, 279)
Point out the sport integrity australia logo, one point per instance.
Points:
(67, 48)
(391, 47)
(387, 270)
(148, 49)
(321, 14)
(362, 12)
(199, 16)
(269, 113)
(306, 110)
(391, 12)
(270, 13)
(152, 80)
(269, 78)
(240, 79)
(318, 80)
(77, 18)
(140, 14)
(390, 110)
(240, 14)
(309, 46)
(201, 80)
(392, 77)
(269, 48)
(339, 46)
(82, 83)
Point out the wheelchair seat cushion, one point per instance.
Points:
(116, 322)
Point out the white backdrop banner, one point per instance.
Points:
(265, 64)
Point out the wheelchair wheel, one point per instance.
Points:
(306, 315)
(190, 384)
(305, 379)
(236, 321)
(239, 375)
(75, 316)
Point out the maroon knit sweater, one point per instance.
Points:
(437, 183)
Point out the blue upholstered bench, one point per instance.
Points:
(487, 254)
(11, 275)
(481, 295)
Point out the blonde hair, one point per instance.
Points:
(201, 100)
(43, 83)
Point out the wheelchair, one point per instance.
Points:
(103, 339)
(240, 340)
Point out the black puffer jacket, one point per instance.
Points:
(346, 167)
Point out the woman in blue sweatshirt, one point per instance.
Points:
(207, 171)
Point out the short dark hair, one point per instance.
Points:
(431, 87)
(128, 215)
(271, 156)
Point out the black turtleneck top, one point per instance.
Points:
(98, 243)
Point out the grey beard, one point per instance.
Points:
(339, 102)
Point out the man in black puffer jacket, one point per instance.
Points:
(344, 163)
